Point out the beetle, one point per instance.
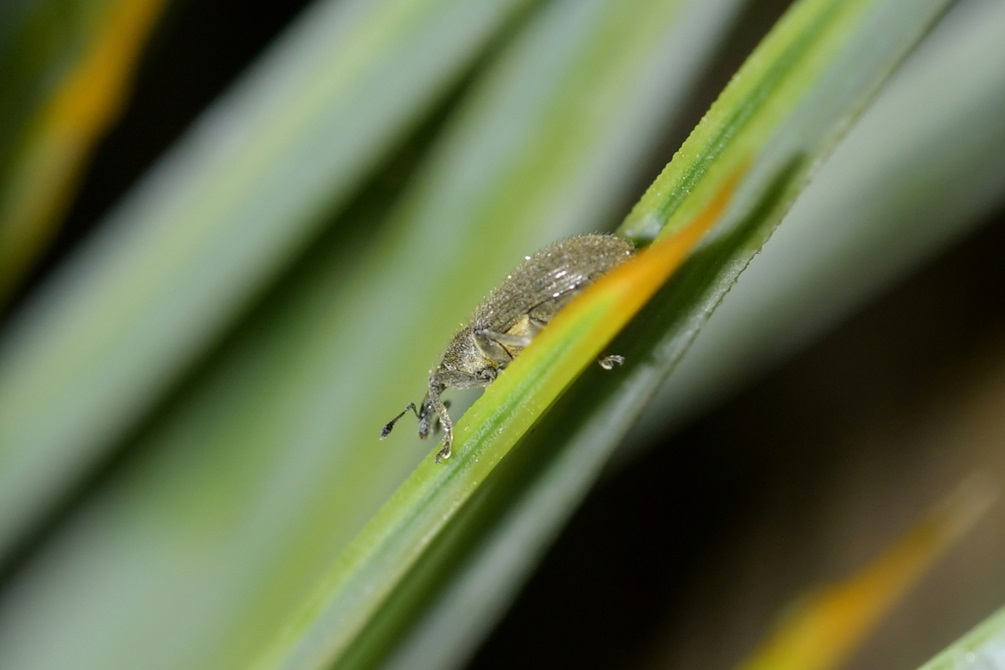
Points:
(509, 318)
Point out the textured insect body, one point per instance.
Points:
(509, 318)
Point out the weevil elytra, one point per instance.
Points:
(509, 318)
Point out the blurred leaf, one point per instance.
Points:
(826, 626)
(813, 63)
(912, 177)
(240, 194)
(983, 648)
(66, 72)
(240, 494)
(380, 556)
(269, 462)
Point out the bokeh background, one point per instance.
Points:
(869, 386)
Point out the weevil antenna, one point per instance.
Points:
(389, 426)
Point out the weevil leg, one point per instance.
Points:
(444, 452)
(608, 362)
(434, 404)
(389, 426)
(437, 424)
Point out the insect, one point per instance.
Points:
(509, 318)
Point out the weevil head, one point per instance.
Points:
(463, 365)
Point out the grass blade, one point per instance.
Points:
(814, 79)
(392, 542)
(983, 647)
(180, 258)
(49, 130)
(281, 430)
(910, 178)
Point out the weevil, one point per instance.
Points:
(509, 318)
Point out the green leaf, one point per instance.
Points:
(182, 256)
(787, 108)
(878, 206)
(282, 427)
(983, 647)
(911, 178)
(381, 555)
(232, 500)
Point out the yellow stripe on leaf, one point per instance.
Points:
(70, 122)
(829, 624)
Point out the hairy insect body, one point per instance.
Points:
(509, 318)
